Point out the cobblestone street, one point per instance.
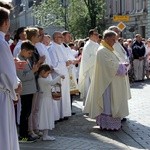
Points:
(81, 133)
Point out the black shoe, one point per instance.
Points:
(73, 113)
(32, 139)
(124, 119)
(60, 120)
(65, 118)
(27, 140)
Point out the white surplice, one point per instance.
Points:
(8, 82)
(42, 50)
(86, 66)
(71, 68)
(122, 55)
(59, 59)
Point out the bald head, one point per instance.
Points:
(57, 37)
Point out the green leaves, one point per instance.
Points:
(77, 16)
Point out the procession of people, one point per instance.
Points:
(36, 65)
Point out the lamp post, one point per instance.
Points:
(24, 5)
(65, 5)
(33, 10)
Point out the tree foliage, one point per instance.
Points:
(77, 16)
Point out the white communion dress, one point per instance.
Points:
(46, 109)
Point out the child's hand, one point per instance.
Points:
(62, 76)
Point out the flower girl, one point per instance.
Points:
(46, 111)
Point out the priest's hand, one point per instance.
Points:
(19, 89)
(75, 62)
(68, 63)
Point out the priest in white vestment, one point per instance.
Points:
(71, 57)
(107, 97)
(122, 55)
(87, 63)
(8, 84)
(60, 64)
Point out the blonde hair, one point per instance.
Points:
(31, 31)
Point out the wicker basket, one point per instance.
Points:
(56, 96)
(56, 92)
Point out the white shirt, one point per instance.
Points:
(17, 48)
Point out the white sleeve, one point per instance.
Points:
(40, 50)
(7, 65)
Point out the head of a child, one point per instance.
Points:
(27, 49)
(44, 70)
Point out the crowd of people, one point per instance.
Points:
(34, 66)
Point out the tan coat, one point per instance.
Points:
(105, 71)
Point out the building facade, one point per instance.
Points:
(22, 15)
(138, 12)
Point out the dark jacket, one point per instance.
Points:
(138, 49)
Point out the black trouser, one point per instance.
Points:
(26, 105)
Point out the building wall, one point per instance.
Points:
(139, 12)
(22, 15)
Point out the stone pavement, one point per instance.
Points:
(81, 133)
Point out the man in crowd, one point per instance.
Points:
(71, 68)
(107, 97)
(122, 55)
(60, 64)
(87, 62)
(138, 51)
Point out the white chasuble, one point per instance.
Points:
(104, 75)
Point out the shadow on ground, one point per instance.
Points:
(141, 84)
(80, 126)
